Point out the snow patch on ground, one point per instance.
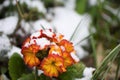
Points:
(8, 25)
(4, 42)
(65, 21)
(36, 4)
(13, 50)
(42, 22)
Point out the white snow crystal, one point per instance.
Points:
(8, 25)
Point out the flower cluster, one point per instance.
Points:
(49, 52)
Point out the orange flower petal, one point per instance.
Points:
(29, 54)
(52, 65)
(55, 50)
(67, 45)
(31, 60)
(68, 60)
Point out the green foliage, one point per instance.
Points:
(52, 3)
(27, 77)
(43, 77)
(74, 71)
(16, 66)
(3, 61)
(30, 14)
(81, 6)
(103, 68)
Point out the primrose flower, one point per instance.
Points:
(29, 54)
(52, 65)
(49, 52)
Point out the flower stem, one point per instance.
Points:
(19, 10)
(36, 73)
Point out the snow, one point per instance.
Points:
(6, 3)
(87, 73)
(80, 52)
(48, 33)
(36, 4)
(65, 21)
(42, 22)
(70, 4)
(92, 2)
(27, 26)
(4, 43)
(8, 25)
(13, 50)
(42, 42)
(35, 34)
(3, 77)
(74, 56)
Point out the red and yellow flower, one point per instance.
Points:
(29, 54)
(49, 52)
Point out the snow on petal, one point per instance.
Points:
(42, 42)
(74, 56)
(36, 35)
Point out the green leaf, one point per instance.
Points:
(28, 77)
(43, 77)
(81, 6)
(74, 71)
(16, 66)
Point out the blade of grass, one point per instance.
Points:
(109, 66)
(105, 73)
(19, 9)
(118, 68)
(87, 37)
(112, 55)
(92, 40)
(75, 30)
(42, 27)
